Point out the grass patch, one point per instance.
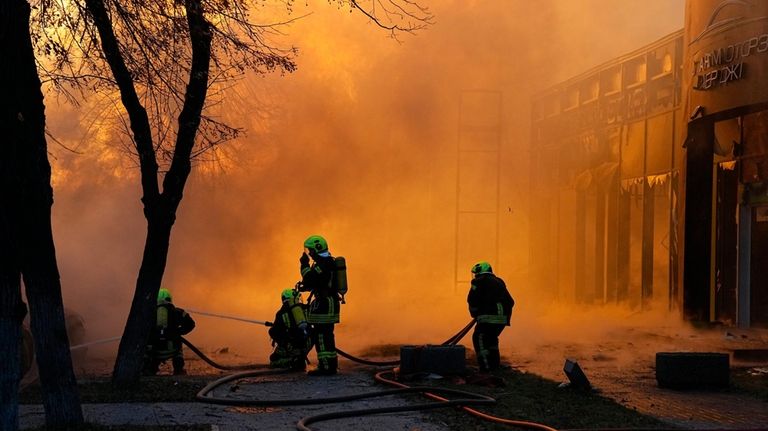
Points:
(150, 389)
(750, 381)
(528, 397)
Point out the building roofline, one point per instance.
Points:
(608, 64)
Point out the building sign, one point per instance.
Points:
(726, 64)
(726, 54)
(720, 76)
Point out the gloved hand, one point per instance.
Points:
(304, 328)
(304, 260)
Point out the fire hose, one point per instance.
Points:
(215, 364)
(449, 342)
(224, 316)
(466, 398)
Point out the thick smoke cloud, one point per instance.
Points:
(360, 145)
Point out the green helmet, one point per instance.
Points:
(482, 268)
(316, 243)
(288, 294)
(164, 296)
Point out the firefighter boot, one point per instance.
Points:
(178, 366)
(326, 367)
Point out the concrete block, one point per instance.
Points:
(692, 370)
(433, 359)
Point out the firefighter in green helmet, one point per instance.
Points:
(491, 305)
(324, 301)
(165, 340)
(290, 333)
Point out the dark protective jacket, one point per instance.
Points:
(489, 300)
(172, 323)
(317, 279)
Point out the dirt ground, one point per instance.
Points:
(622, 367)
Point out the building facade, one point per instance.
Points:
(604, 185)
(648, 173)
(726, 179)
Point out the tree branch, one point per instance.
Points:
(142, 132)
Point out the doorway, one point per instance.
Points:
(726, 244)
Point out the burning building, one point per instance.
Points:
(649, 175)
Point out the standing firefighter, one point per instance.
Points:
(491, 304)
(165, 341)
(290, 333)
(324, 283)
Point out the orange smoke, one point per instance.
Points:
(359, 145)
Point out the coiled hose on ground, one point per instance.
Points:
(464, 399)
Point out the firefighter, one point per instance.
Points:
(324, 301)
(290, 333)
(165, 340)
(491, 305)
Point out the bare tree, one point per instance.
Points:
(26, 239)
(164, 57)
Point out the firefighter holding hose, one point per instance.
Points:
(491, 305)
(325, 279)
(290, 333)
(165, 340)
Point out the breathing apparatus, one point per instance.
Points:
(164, 302)
(292, 299)
(339, 279)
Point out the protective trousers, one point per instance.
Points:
(288, 356)
(153, 360)
(485, 340)
(325, 346)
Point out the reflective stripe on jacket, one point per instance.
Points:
(500, 317)
(324, 310)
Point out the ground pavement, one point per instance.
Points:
(223, 418)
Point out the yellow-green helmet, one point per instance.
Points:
(316, 243)
(164, 296)
(482, 268)
(288, 294)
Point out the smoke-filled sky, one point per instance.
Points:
(359, 145)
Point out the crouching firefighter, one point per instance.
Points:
(325, 279)
(290, 333)
(165, 340)
(491, 305)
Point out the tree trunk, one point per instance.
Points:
(159, 209)
(54, 362)
(10, 275)
(142, 316)
(11, 314)
(27, 216)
